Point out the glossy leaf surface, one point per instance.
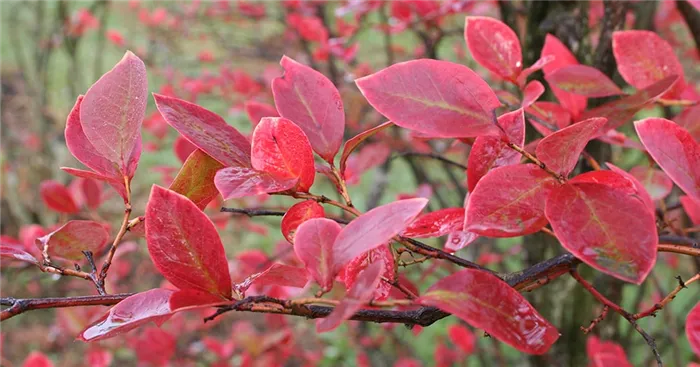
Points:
(436, 224)
(488, 303)
(184, 244)
(310, 100)
(298, 214)
(437, 98)
(509, 201)
(675, 150)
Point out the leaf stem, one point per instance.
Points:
(538, 162)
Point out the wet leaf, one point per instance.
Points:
(436, 224)
(298, 214)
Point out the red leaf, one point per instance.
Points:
(551, 113)
(112, 112)
(606, 353)
(539, 64)
(132, 312)
(462, 337)
(533, 90)
(196, 179)
(37, 359)
(16, 252)
(436, 224)
(612, 229)
(643, 58)
(583, 80)
(238, 182)
(82, 149)
(692, 328)
(562, 57)
(72, 238)
(692, 208)
(380, 254)
(314, 247)
(640, 189)
(184, 245)
(357, 296)
(494, 46)
(688, 119)
(622, 110)
(560, 150)
(675, 151)
(92, 192)
(356, 140)
(183, 148)
(370, 156)
(206, 130)
(188, 299)
(489, 152)
(257, 110)
(281, 275)
(298, 214)
(311, 101)
(509, 201)
(116, 184)
(281, 149)
(57, 197)
(373, 229)
(433, 97)
(459, 240)
(486, 302)
(656, 183)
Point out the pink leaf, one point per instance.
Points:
(643, 58)
(373, 229)
(37, 359)
(72, 238)
(459, 240)
(82, 149)
(640, 189)
(311, 101)
(281, 275)
(297, 215)
(554, 115)
(692, 328)
(257, 110)
(489, 152)
(433, 97)
(206, 130)
(370, 156)
(238, 182)
(356, 140)
(436, 224)
(112, 112)
(560, 150)
(57, 197)
(314, 247)
(462, 337)
(486, 302)
(16, 252)
(184, 245)
(509, 201)
(533, 90)
(539, 64)
(613, 230)
(281, 149)
(583, 80)
(183, 148)
(656, 183)
(188, 299)
(116, 184)
(353, 269)
(196, 179)
(357, 296)
(132, 312)
(692, 208)
(494, 46)
(562, 57)
(675, 150)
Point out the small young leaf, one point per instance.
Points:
(206, 130)
(72, 238)
(533, 90)
(583, 80)
(675, 150)
(280, 148)
(357, 296)
(494, 46)
(489, 152)
(643, 58)
(560, 150)
(486, 302)
(314, 247)
(196, 179)
(184, 245)
(112, 112)
(438, 98)
(373, 229)
(355, 141)
(509, 201)
(436, 224)
(257, 110)
(692, 328)
(130, 313)
(238, 182)
(298, 214)
(562, 57)
(605, 225)
(57, 197)
(310, 100)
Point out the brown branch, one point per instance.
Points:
(18, 306)
(659, 306)
(122, 231)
